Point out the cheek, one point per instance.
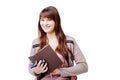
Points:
(53, 24)
(41, 23)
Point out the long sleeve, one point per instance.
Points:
(81, 64)
(32, 52)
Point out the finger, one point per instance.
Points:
(45, 65)
(42, 63)
(39, 63)
(45, 69)
(35, 62)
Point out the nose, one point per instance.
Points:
(45, 22)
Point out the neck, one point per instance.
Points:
(52, 40)
(51, 36)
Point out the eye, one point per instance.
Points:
(49, 19)
(41, 19)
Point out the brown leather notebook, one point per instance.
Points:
(49, 55)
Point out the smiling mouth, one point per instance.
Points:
(46, 27)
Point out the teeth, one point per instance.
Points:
(46, 26)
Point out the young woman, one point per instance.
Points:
(50, 32)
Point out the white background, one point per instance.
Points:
(93, 23)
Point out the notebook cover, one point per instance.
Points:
(49, 55)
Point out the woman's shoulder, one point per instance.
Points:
(70, 38)
(35, 41)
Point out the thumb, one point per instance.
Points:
(35, 62)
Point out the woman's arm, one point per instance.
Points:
(33, 51)
(81, 64)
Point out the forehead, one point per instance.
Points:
(47, 14)
(45, 18)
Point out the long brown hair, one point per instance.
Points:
(52, 13)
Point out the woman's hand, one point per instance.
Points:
(56, 72)
(40, 68)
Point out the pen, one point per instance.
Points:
(43, 62)
(33, 66)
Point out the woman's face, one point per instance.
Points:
(47, 24)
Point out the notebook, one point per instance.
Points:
(49, 55)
